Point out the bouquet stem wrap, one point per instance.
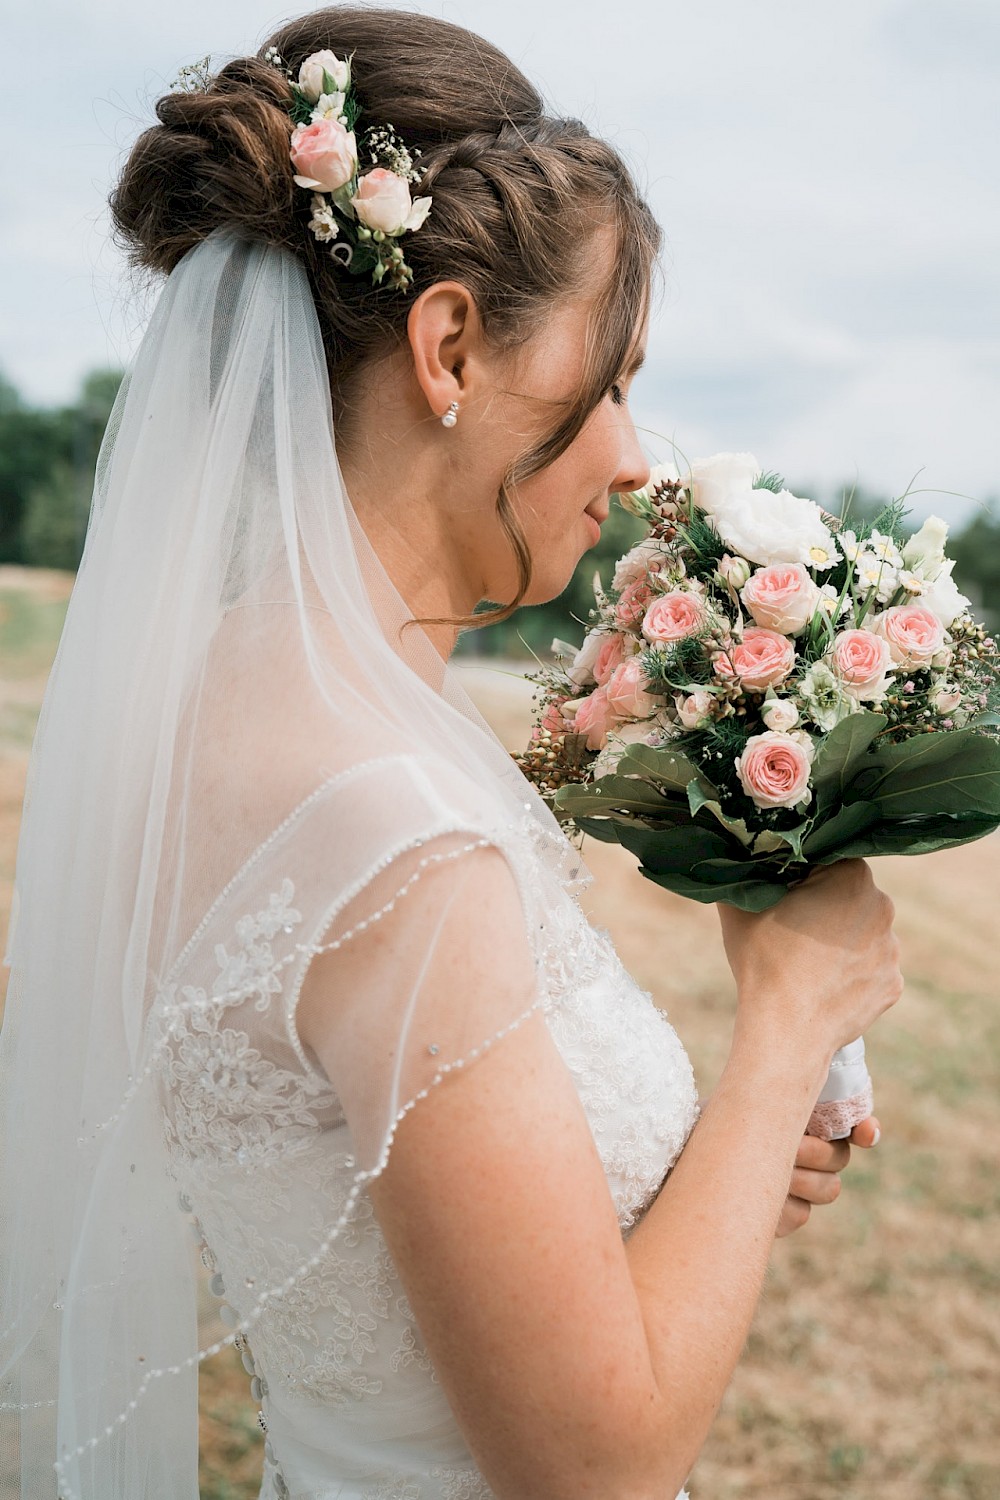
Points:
(846, 1099)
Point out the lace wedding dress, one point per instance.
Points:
(264, 1159)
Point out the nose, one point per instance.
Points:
(633, 467)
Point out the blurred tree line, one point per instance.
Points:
(47, 461)
(48, 456)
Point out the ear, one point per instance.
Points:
(445, 333)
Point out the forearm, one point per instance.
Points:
(699, 1256)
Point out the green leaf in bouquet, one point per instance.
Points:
(841, 753)
(666, 767)
(701, 795)
(955, 771)
(791, 838)
(604, 830)
(914, 836)
(676, 849)
(746, 893)
(768, 841)
(843, 826)
(983, 721)
(629, 793)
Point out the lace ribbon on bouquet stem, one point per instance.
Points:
(846, 1099)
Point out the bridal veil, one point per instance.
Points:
(237, 740)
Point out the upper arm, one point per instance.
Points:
(496, 1209)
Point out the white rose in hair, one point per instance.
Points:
(769, 528)
(311, 80)
(714, 480)
(383, 202)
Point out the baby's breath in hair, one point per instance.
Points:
(193, 76)
(387, 150)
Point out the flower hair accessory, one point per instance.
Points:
(360, 215)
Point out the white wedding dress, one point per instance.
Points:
(264, 1161)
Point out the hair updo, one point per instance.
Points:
(517, 195)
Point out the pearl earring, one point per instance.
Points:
(451, 415)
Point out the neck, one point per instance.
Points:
(423, 548)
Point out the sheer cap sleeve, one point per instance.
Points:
(354, 900)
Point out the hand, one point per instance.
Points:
(815, 971)
(816, 1176)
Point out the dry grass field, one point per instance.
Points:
(873, 1370)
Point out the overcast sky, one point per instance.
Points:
(826, 174)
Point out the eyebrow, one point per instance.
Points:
(636, 364)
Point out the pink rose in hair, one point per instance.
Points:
(324, 154)
(671, 617)
(632, 604)
(914, 634)
(781, 597)
(774, 770)
(863, 662)
(594, 718)
(383, 202)
(762, 659)
(628, 691)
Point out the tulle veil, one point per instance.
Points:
(238, 748)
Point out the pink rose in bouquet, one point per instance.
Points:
(594, 718)
(628, 691)
(672, 616)
(862, 661)
(762, 659)
(633, 602)
(914, 634)
(774, 770)
(781, 597)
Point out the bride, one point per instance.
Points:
(301, 989)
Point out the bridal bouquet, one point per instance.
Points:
(763, 689)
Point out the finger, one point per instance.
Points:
(815, 1187)
(867, 1134)
(822, 1156)
(794, 1214)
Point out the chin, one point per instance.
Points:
(546, 586)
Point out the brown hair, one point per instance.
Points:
(517, 195)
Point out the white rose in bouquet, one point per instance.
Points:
(619, 740)
(581, 669)
(773, 528)
(924, 552)
(944, 597)
(647, 555)
(715, 480)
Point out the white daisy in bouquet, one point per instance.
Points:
(764, 688)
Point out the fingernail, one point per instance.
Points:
(877, 1136)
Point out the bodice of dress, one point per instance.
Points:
(263, 1159)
